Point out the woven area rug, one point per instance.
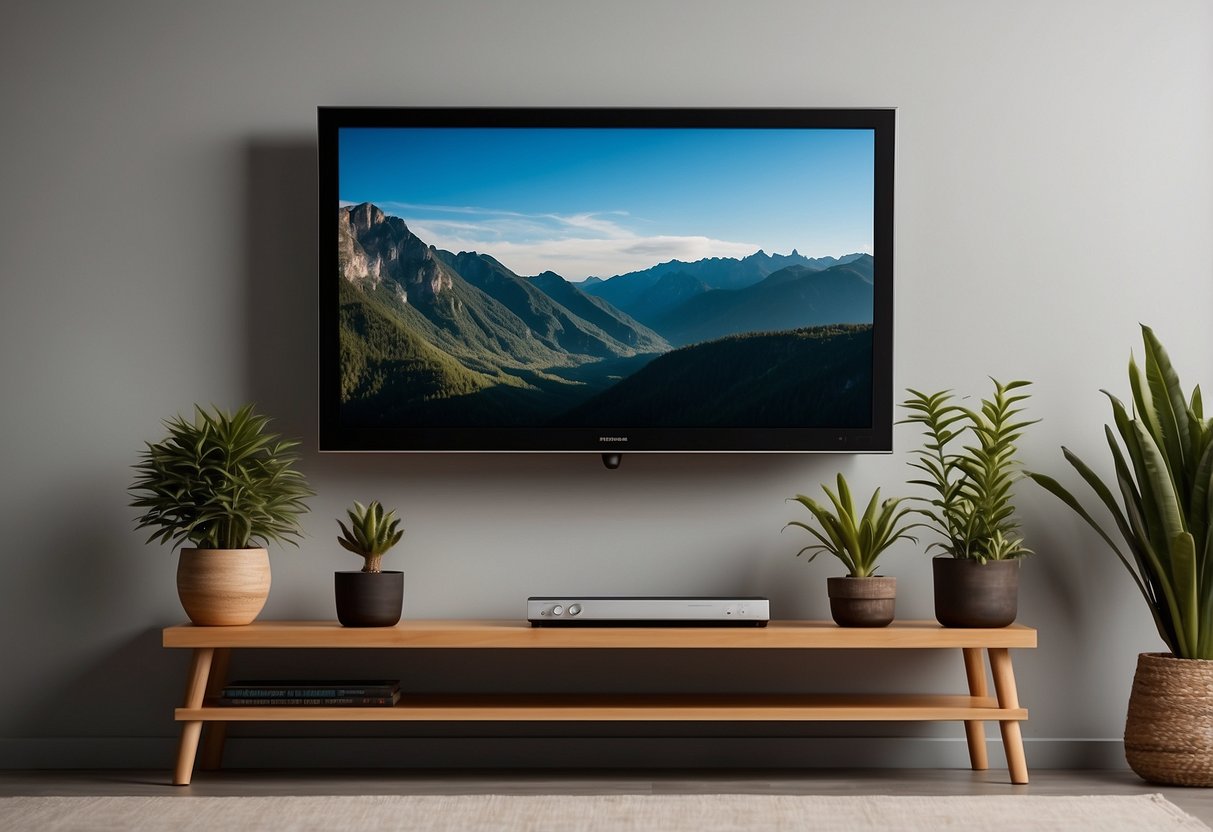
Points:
(599, 813)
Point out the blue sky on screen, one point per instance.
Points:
(602, 202)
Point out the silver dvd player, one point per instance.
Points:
(646, 611)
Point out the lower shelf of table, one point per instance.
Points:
(630, 708)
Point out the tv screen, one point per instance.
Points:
(607, 280)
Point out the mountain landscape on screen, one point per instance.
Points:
(433, 338)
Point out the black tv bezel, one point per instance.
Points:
(877, 438)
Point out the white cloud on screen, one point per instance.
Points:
(574, 246)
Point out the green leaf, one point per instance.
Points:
(1161, 483)
(1205, 601)
(1170, 404)
(1201, 492)
(1182, 554)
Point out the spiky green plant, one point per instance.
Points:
(972, 507)
(220, 481)
(1164, 476)
(370, 533)
(855, 540)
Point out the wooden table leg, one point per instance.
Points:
(975, 730)
(211, 756)
(1012, 739)
(195, 691)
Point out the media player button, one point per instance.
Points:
(574, 609)
(557, 610)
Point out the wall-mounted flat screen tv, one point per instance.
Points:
(606, 280)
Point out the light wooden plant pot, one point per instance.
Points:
(223, 587)
(1169, 728)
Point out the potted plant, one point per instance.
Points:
(370, 597)
(1162, 453)
(977, 573)
(226, 485)
(861, 599)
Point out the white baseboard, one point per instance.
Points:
(557, 752)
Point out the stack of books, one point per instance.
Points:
(359, 693)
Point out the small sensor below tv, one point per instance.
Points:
(606, 280)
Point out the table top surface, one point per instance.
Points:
(494, 634)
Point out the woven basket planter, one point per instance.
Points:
(1169, 730)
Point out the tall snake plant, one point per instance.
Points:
(1164, 478)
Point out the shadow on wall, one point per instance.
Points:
(134, 683)
(63, 616)
(280, 254)
(280, 263)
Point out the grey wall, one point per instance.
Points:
(1054, 187)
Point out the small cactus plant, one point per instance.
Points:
(370, 534)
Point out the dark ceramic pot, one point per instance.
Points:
(969, 593)
(369, 599)
(862, 602)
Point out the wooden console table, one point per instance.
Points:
(212, 646)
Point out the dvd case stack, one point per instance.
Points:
(357, 693)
